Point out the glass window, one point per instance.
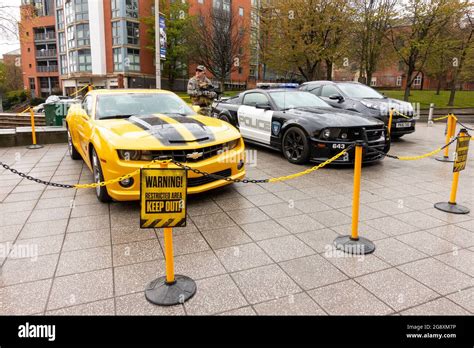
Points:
(73, 61)
(417, 81)
(241, 11)
(62, 42)
(84, 60)
(60, 19)
(329, 90)
(115, 8)
(83, 36)
(133, 59)
(32, 83)
(358, 90)
(118, 59)
(131, 7)
(69, 12)
(296, 99)
(226, 5)
(399, 80)
(252, 99)
(82, 10)
(373, 81)
(133, 33)
(63, 62)
(71, 37)
(116, 33)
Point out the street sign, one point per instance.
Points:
(462, 147)
(163, 197)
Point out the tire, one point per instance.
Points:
(225, 118)
(100, 191)
(75, 155)
(295, 146)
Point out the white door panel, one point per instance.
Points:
(255, 124)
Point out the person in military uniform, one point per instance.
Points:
(200, 88)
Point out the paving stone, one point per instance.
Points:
(213, 221)
(88, 223)
(365, 212)
(216, 294)
(348, 298)
(320, 241)
(81, 288)
(441, 306)
(89, 210)
(13, 218)
(43, 229)
(355, 265)
(391, 226)
(242, 257)
(298, 304)
(420, 220)
(454, 234)
(102, 307)
(17, 206)
(198, 265)
(134, 278)
(9, 233)
(234, 203)
(281, 210)
(25, 299)
(331, 218)
(265, 199)
(264, 230)
(462, 260)
(137, 304)
(396, 289)
(245, 216)
(40, 246)
(285, 248)
(146, 250)
(364, 230)
(187, 243)
(225, 237)
(244, 311)
(427, 243)
(299, 223)
(292, 195)
(312, 271)
(205, 207)
(16, 271)
(127, 234)
(85, 240)
(437, 275)
(464, 298)
(265, 283)
(395, 252)
(84, 260)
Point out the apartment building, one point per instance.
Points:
(38, 47)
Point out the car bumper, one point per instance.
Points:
(225, 164)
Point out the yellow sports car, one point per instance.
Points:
(117, 131)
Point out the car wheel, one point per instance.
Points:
(296, 146)
(225, 118)
(72, 149)
(100, 191)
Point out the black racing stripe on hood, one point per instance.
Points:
(200, 131)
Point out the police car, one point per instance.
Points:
(301, 125)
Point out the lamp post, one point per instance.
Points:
(157, 44)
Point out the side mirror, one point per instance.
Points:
(336, 97)
(196, 108)
(263, 106)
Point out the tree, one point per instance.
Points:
(466, 28)
(372, 23)
(10, 78)
(304, 34)
(414, 34)
(178, 33)
(219, 38)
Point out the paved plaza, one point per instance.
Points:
(252, 249)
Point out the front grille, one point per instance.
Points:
(373, 133)
(203, 180)
(181, 155)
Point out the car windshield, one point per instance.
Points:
(127, 104)
(285, 100)
(356, 90)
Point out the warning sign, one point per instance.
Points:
(162, 197)
(462, 147)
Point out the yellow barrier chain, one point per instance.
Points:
(83, 88)
(400, 114)
(440, 118)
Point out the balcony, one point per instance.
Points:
(50, 68)
(49, 36)
(51, 53)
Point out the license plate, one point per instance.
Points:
(403, 125)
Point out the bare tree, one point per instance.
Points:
(219, 39)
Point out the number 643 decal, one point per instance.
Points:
(339, 146)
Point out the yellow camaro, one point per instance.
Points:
(117, 131)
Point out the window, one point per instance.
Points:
(44, 82)
(399, 80)
(417, 81)
(329, 90)
(60, 19)
(59, 3)
(240, 70)
(241, 11)
(84, 60)
(62, 42)
(201, 2)
(116, 34)
(82, 10)
(115, 8)
(73, 61)
(63, 62)
(133, 59)
(253, 99)
(133, 33)
(87, 105)
(226, 5)
(71, 39)
(32, 83)
(118, 60)
(373, 82)
(69, 12)
(83, 36)
(131, 7)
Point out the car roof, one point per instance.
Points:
(324, 82)
(266, 90)
(126, 90)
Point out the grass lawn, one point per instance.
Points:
(463, 99)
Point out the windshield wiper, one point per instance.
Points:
(114, 116)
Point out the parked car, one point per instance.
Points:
(301, 125)
(355, 96)
(117, 131)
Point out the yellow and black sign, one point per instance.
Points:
(462, 147)
(163, 197)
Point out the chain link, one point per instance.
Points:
(29, 177)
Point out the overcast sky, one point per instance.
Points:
(7, 45)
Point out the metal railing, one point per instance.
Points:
(50, 68)
(45, 36)
(46, 53)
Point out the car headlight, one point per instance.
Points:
(370, 105)
(229, 146)
(326, 134)
(134, 155)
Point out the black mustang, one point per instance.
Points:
(301, 125)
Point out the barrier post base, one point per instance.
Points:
(161, 293)
(444, 159)
(360, 246)
(452, 208)
(34, 147)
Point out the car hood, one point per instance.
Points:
(331, 117)
(386, 104)
(157, 131)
